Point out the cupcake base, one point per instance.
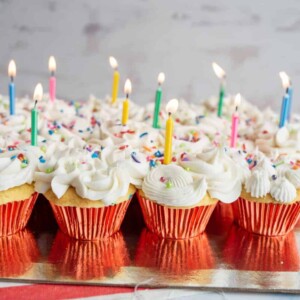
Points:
(267, 219)
(14, 215)
(175, 223)
(90, 223)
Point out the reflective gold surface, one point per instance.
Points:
(224, 258)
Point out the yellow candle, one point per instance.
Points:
(125, 112)
(171, 109)
(116, 78)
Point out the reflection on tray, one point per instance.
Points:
(176, 257)
(18, 253)
(85, 260)
(246, 251)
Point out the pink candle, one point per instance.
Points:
(52, 88)
(52, 79)
(235, 122)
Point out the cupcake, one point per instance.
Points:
(17, 194)
(174, 202)
(89, 201)
(270, 200)
(86, 260)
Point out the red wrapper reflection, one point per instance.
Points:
(266, 218)
(177, 257)
(18, 252)
(175, 223)
(247, 251)
(85, 260)
(14, 215)
(90, 223)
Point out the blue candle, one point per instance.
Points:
(290, 92)
(12, 70)
(12, 102)
(284, 109)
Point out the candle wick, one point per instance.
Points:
(35, 103)
(52, 73)
(287, 90)
(169, 114)
(127, 96)
(236, 108)
(12, 78)
(159, 84)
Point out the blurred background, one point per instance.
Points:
(251, 40)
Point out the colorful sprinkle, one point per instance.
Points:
(169, 184)
(133, 156)
(49, 170)
(95, 154)
(42, 159)
(158, 154)
(152, 163)
(162, 179)
(143, 134)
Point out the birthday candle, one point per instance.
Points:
(171, 108)
(52, 79)
(222, 75)
(125, 112)
(12, 71)
(116, 77)
(37, 96)
(285, 100)
(235, 122)
(160, 79)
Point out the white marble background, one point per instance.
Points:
(251, 40)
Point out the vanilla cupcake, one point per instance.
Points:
(174, 202)
(89, 201)
(270, 200)
(17, 194)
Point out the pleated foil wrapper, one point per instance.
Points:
(14, 215)
(90, 223)
(175, 257)
(266, 218)
(18, 253)
(244, 250)
(87, 260)
(175, 223)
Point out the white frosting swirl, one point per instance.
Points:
(283, 191)
(171, 185)
(258, 184)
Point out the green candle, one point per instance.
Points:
(221, 100)
(221, 75)
(37, 96)
(34, 125)
(157, 108)
(160, 79)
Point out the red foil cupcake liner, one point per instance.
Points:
(247, 251)
(266, 218)
(18, 252)
(86, 260)
(175, 223)
(176, 257)
(14, 215)
(90, 223)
